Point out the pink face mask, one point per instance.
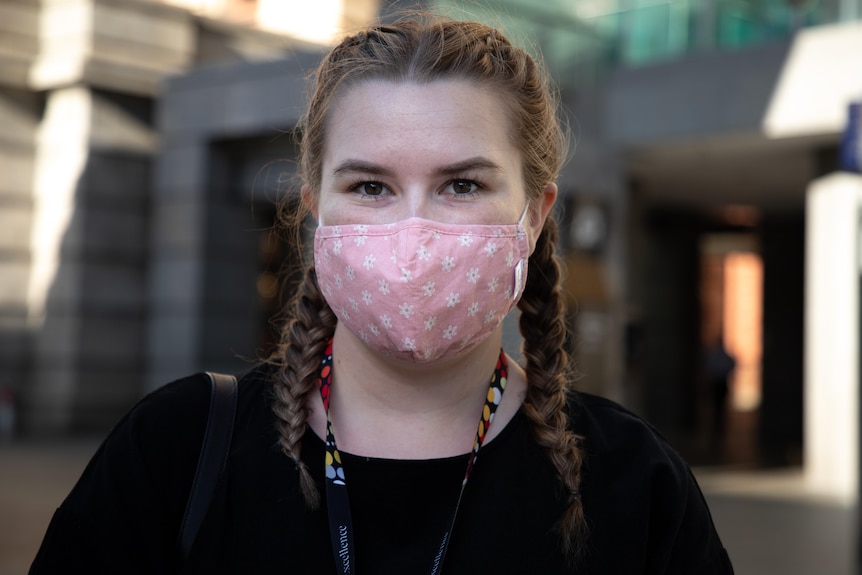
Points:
(419, 290)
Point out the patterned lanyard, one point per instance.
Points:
(338, 504)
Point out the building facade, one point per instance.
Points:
(79, 88)
(698, 128)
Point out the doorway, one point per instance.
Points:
(731, 340)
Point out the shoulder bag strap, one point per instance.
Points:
(211, 462)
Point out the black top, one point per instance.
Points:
(644, 509)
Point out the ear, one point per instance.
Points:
(309, 200)
(540, 208)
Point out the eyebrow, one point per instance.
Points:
(476, 163)
(361, 166)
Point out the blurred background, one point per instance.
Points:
(710, 228)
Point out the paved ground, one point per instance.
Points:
(766, 521)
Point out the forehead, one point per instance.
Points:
(443, 117)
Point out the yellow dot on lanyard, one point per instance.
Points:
(491, 395)
(486, 413)
(328, 458)
(337, 456)
(481, 428)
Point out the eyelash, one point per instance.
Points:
(477, 187)
(356, 187)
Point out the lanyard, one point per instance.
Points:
(337, 502)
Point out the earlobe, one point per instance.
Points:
(309, 200)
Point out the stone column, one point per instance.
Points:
(832, 335)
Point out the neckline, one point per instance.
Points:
(488, 448)
(342, 533)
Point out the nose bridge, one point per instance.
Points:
(417, 203)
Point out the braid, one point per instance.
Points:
(303, 341)
(543, 327)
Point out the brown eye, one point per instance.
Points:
(463, 187)
(371, 188)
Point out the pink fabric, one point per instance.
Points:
(420, 290)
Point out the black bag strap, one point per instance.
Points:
(211, 462)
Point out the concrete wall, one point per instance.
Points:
(20, 113)
(78, 83)
(201, 286)
(86, 302)
(783, 90)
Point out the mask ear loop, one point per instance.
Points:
(524, 214)
(521, 268)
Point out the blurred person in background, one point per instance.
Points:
(718, 366)
(430, 150)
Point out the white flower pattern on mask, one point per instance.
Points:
(414, 304)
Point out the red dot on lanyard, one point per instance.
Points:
(324, 373)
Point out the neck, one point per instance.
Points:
(386, 408)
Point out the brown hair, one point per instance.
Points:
(425, 49)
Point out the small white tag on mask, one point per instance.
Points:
(519, 278)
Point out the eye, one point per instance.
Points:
(464, 187)
(372, 189)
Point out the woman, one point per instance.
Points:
(429, 154)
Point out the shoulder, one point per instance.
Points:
(126, 508)
(622, 449)
(608, 429)
(638, 489)
(183, 404)
(154, 449)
